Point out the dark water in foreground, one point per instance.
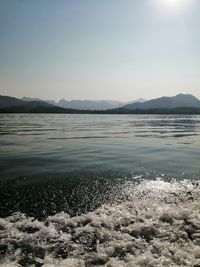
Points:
(51, 163)
(99, 190)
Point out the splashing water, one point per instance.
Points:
(158, 226)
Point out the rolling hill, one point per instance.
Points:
(15, 105)
(180, 100)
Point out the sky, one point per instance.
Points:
(106, 49)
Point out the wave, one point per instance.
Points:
(158, 226)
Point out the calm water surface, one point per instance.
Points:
(54, 162)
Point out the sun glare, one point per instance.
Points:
(173, 6)
(172, 2)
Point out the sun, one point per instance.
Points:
(173, 3)
(173, 6)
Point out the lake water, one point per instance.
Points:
(61, 169)
(47, 146)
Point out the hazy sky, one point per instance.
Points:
(99, 49)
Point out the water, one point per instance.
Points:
(106, 190)
(49, 146)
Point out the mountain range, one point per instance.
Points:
(86, 104)
(181, 104)
(180, 100)
(16, 105)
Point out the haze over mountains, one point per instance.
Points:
(86, 104)
(182, 103)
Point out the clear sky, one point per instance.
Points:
(99, 49)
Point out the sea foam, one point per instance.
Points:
(158, 226)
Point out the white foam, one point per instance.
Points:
(158, 226)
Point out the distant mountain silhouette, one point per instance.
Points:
(7, 101)
(89, 104)
(15, 105)
(86, 104)
(180, 104)
(28, 99)
(181, 100)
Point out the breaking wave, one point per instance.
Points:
(158, 226)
